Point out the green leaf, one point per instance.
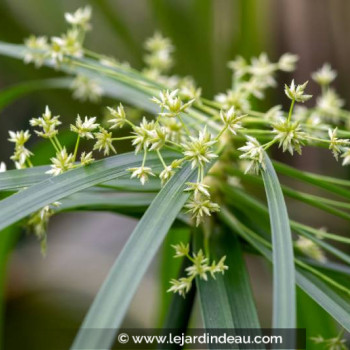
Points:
(180, 309)
(13, 93)
(337, 306)
(21, 204)
(113, 299)
(237, 283)
(214, 301)
(284, 307)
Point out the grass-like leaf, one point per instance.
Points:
(284, 308)
(19, 205)
(337, 306)
(113, 299)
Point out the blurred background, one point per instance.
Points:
(56, 291)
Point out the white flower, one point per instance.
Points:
(57, 50)
(199, 150)
(37, 50)
(346, 156)
(86, 158)
(104, 141)
(239, 66)
(234, 98)
(19, 137)
(141, 173)
(198, 188)
(72, 43)
(61, 163)
(263, 69)
(143, 133)
(200, 207)
(119, 116)
(84, 129)
(311, 249)
(47, 122)
(181, 286)
(329, 104)
(86, 89)
(166, 174)
(296, 92)
(181, 250)
(289, 135)
(287, 62)
(172, 103)
(335, 143)
(254, 152)
(231, 120)
(325, 75)
(80, 17)
(158, 43)
(2, 167)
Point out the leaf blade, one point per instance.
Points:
(284, 304)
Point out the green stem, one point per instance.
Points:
(291, 110)
(123, 138)
(54, 145)
(161, 159)
(58, 142)
(76, 148)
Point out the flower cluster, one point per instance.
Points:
(310, 249)
(200, 267)
(336, 343)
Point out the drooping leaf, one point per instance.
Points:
(284, 307)
(113, 299)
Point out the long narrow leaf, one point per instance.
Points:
(284, 307)
(113, 299)
(19, 205)
(337, 306)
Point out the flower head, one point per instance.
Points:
(144, 134)
(254, 152)
(86, 89)
(104, 141)
(325, 75)
(119, 116)
(311, 249)
(86, 158)
(199, 150)
(197, 188)
(335, 144)
(80, 18)
(296, 92)
(234, 98)
(200, 207)
(141, 173)
(287, 62)
(37, 50)
(329, 104)
(84, 128)
(47, 122)
(231, 120)
(181, 250)
(166, 174)
(61, 163)
(289, 135)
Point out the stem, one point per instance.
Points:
(161, 159)
(123, 138)
(57, 142)
(221, 132)
(144, 157)
(184, 126)
(76, 148)
(54, 144)
(290, 111)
